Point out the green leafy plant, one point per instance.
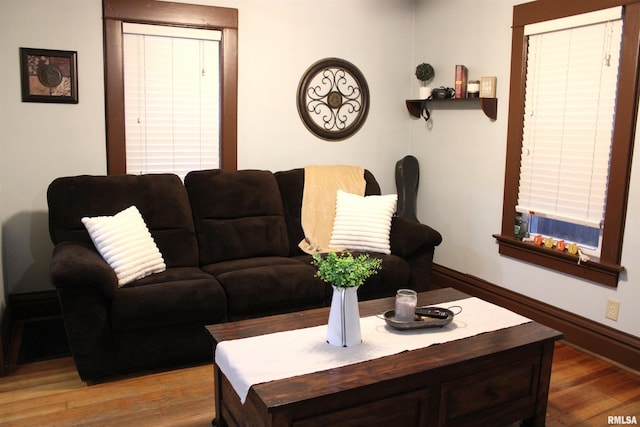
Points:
(424, 72)
(344, 270)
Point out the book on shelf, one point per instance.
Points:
(461, 81)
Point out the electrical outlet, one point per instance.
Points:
(613, 307)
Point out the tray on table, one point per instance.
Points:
(418, 321)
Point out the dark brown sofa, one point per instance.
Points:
(229, 241)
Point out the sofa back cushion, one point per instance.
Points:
(161, 199)
(291, 185)
(237, 214)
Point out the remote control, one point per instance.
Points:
(435, 312)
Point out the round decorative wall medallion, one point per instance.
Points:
(49, 75)
(333, 99)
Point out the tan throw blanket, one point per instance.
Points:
(321, 185)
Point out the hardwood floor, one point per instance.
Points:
(51, 393)
(584, 391)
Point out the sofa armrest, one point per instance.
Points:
(408, 237)
(78, 265)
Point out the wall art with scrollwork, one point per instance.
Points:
(49, 75)
(333, 99)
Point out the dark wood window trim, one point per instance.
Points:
(607, 268)
(115, 12)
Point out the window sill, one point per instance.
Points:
(593, 270)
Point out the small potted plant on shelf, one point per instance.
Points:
(424, 73)
(345, 273)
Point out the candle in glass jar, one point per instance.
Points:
(473, 88)
(406, 300)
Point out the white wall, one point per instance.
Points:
(462, 155)
(278, 40)
(39, 142)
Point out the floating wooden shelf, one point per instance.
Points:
(489, 105)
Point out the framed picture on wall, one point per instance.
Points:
(49, 75)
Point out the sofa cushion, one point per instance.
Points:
(363, 223)
(219, 268)
(237, 214)
(124, 242)
(268, 285)
(161, 199)
(178, 295)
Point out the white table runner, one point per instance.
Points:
(270, 357)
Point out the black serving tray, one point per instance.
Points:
(418, 321)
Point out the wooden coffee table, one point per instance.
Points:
(495, 378)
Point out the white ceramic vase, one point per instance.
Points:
(344, 318)
(424, 92)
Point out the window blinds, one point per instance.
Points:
(172, 99)
(569, 111)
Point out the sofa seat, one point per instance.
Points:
(160, 299)
(268, 285)
(157, 321)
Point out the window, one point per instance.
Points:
(172, 98)
(610, 123)
(569, 109)
(176, 15)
